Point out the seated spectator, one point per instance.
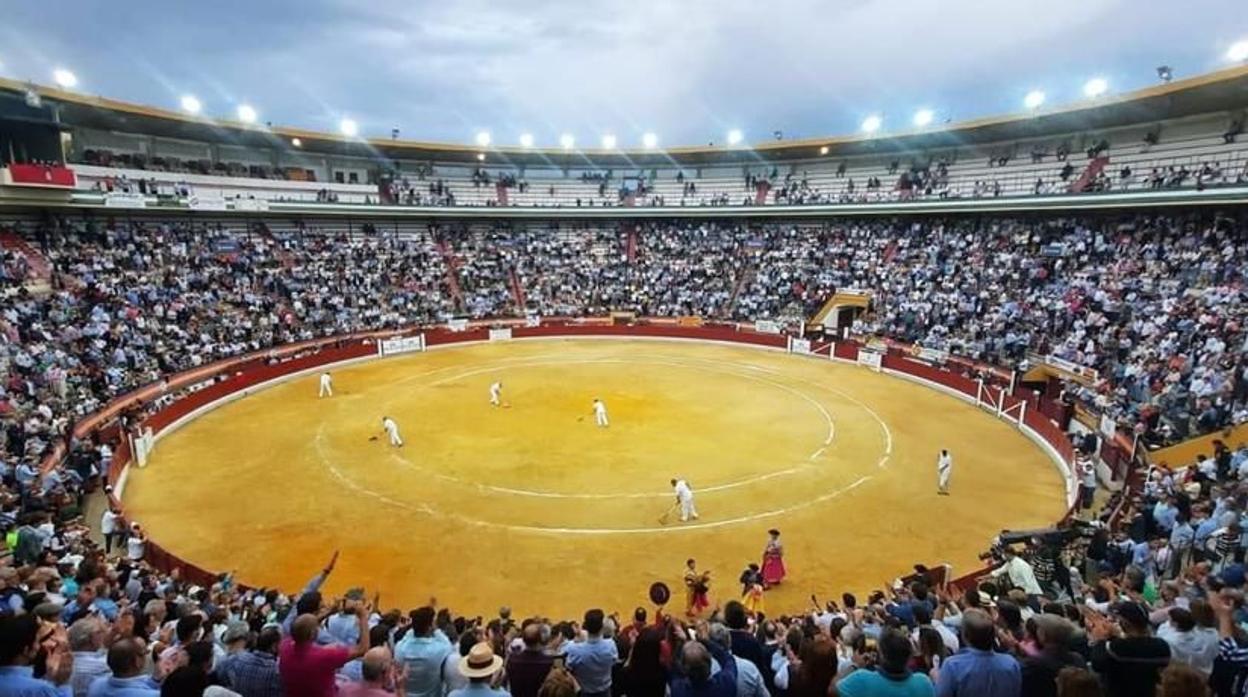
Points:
(978, 671)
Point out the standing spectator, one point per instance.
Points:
(126, 659)
(421, 652)
(1128, 658)
(692, 674)
(891, 677)
(308, 669)
(592, 660)
(379, 674)
(749, 679)
(254, 673)
(527, 669)
(1040, 671)
(978, 671)
(644, 674)
(479, 666)
(19, 646)
(86, 641)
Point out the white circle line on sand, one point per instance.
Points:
(666, 360)
(429, 510)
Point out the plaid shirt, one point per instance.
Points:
(251, 674)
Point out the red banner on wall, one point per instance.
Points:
(41, 175)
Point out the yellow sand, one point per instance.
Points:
(535, 507)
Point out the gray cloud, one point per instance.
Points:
(688, 69)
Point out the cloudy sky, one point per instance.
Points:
(688, 70)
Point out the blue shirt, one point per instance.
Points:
(423, 658)
(978, 673)
(345, 629)
(1204, 530)
(479, 690)
(591, 662)
(868, 683)
(20, 681)
(138, 686)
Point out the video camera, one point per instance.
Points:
(1057, 536)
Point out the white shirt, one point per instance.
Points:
(325, 379)
(599, 408)
(134, 547)
(945, 462)
(389, 425)
(683, 492)
(108, 522)
(495, 389)
(1021, 574)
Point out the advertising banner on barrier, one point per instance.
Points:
(930, 355)
(207, 201)
(404, 344)
(250, 204)
(799, 345)
(119, 199)
(766, 326)
(457, 325)
(500, 334)
(533, 321)
(871, 359)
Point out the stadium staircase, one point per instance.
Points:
(452, 272)
(517, 290)
(761, 189)
(744, 278)
(40, 267)
(1094, 168)
(502, 194)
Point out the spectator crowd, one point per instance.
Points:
(1153, 303)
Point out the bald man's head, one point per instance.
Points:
(376, 664)
(304, 629)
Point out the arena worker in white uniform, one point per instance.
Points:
(327, 386)
(684, 498)
(944, 467)
(392, 430)
(496, 393)
(600, 413)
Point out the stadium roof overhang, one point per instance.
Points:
(1224, 90)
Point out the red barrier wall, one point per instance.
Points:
(235, 375)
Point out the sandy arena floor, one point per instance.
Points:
(535, 507)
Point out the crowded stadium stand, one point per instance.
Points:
(1080, 272)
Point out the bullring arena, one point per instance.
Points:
(841, 457)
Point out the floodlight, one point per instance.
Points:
(526, 140)
(246, 113)
(1238, 52)
(923, 117)
(483, 139)
(1095, 87)
(566, 141)
(735, 137)
(823, 150)
(608, 142)
(349, 128)
(480, 157)
(296, 142)
(1034, 99)
(872, 123)
(190, 104)
(650, 141)
(65, 78)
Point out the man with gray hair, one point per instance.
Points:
(749, 679)
(692, 676)
(86, 641)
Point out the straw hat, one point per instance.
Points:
(480, 662)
